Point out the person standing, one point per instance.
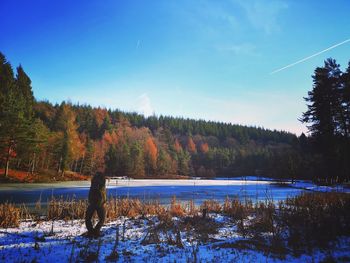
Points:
(97, 200)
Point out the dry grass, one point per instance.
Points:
(131, 208)
(75, 209)
(176, 208)
(300, 223)
(66, 209)
(237, 209)
(211, 206)
(9, 215)
(315, 219)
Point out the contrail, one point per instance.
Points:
(307, 58)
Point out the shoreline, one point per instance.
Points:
(233, 231)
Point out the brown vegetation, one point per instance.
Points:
(40, 176)
(17, 176)
(296, 225)
(9, 215)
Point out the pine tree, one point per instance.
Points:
(106, 126)
(88, 166)
(14, 117)
(164, 162)
(23, 84)
(346, 101)
(323, 105)
(111, 161)
(326, 116)
(137, 158)
(184, 159)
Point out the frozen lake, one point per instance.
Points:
(162, 190)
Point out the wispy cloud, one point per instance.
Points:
(309, 57)
(263, 14)
(144, 105)
(209, 18)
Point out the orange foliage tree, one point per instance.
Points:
(100, 115)
(204, 148)
(72, 147)
(191, 147)
(177, 146)
(151, 154)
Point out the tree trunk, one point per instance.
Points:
(7, 161)
(19, 163)
(48, 162)
(43, 160)
(59, 165)
(76, 165)
(82, 163)
(33, 164)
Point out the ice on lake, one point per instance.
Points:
(150, 189)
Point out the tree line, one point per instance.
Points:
(40, 137)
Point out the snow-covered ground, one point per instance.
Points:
(33, 242)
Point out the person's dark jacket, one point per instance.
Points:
(97, 194)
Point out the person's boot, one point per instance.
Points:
(97, 233)
(90, 234)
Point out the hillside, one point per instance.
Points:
(42, 138)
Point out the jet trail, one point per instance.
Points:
(307, 58)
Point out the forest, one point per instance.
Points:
(43, 139)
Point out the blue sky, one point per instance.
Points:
(201, 59)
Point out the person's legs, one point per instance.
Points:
(88, 216)
(101, 212)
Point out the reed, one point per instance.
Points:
(10, 215)
(66, 209)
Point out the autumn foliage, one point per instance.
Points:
(191, 147)
(204, 148)
(151, 153)
(19, 176)
(177, 146)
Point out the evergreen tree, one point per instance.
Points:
(23, 84)
(88, 166)
(124, 160)
(111, 161)
(327, 115)
(105, 126)
(137, 158)
(184, 162)
(14, 117)
(346, 101)
(322, 105)
(164, 163)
